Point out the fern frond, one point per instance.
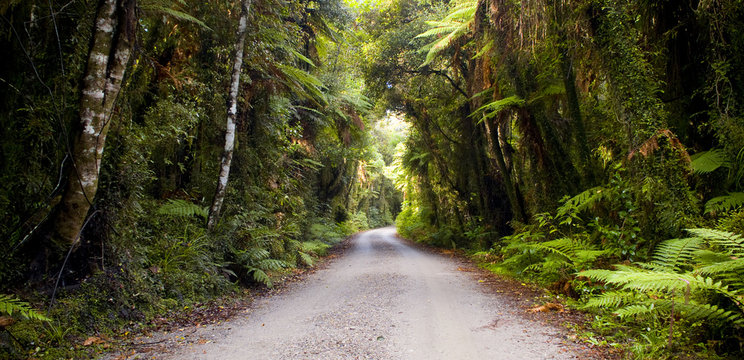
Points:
(583, 200)
(637, 310)
(610, 299)
(725, 203)
(731, 242)
(708, 312)
(306, 259)
(493, 108)
(180, 15)
(723, 268)
(261, 277)
(708, 257)
(446, 41)
(304, 58)
(10, 305)
(602, 275)
(272, 264)
(441, 28)
(464, 11)
(482, 51)
(183, 208)
(303, 84)
(536, 267)
(563, 247)
(708, 161)
(674, 253)
(256, 254)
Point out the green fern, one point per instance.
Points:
(583, 200)
(456, 24)
(256, 259)
(675, 253)
(708, 161)
(165, 8)
(11, 305)
(493, 108)
(183, 208)
(732, 243)
(611, 299)
(305, 258)
(684, 274)
(303, 84)
(725, 203)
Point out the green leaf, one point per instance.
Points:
(725, 203)
(708, 161)
(10, 305)
(180, 15)
(183, 208)
(494, 107)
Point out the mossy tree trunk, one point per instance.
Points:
(111, 47)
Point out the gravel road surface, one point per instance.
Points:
(382, 299)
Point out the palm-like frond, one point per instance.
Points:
(708, 161)
(303, 83)
(611, 299)
(493, 108)
(456, 24)
(166, 8)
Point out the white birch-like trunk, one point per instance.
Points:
(107, 64)
(232, 111)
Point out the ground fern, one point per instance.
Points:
(689, 277)
(13, 306)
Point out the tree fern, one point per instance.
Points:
(303, 84)
(164, 7)
(11, 305)
(183, 208)
(456, 24)
(493, 108)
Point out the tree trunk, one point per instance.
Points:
(113, 37)
(494, 143)
(232, 111)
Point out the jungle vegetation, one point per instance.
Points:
(157, 154)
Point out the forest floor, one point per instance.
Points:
(382, 297)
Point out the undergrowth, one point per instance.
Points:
(165, 261)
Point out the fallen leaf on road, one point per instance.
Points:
(93, 340)
(547, 307)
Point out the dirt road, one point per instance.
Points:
(381, 300)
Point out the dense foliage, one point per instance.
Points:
(553, 137)
(562, 136)
(307, 168)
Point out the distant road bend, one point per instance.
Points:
(381, 300)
